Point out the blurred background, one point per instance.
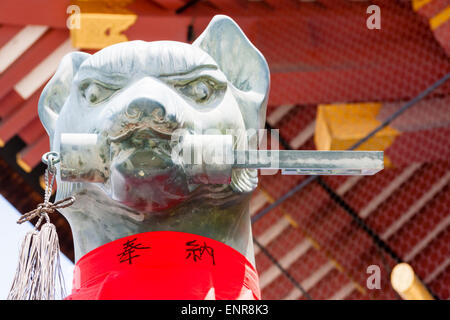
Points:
(341, 76)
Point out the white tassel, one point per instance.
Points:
(51, 272)
(28, 266)
(39, 271)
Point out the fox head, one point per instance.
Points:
(136, 94)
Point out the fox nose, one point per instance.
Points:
(151, 113)
(142, 107)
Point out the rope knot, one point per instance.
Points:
(44, 209)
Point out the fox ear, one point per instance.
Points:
(243, 65)
(55, 93)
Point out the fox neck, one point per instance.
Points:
(96, 220)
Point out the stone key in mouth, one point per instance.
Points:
(210, 159)
(142, 149)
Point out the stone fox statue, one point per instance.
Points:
(141, 228)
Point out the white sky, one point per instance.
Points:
(11, 235)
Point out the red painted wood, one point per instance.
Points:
(298, 120)
(432, 8)
(304, 267)
(318, 63)
(262, 262)
(420, 146)
(36, 12)
(285, 242)
(31, 58)
(354, 248)
(32, 154)
(33, 131)
(7, 32)
(277, 289)
(396, 205)
(170, 4)
(441, 285)
(229, 6)
(172, 28)
(370, 186)
(416, 119)
(442, 35)
(9, 102)
(421, 224)
(269, 219)
(405, 196)
(356, 295)
(436, 253)
(351, 247)
(327, 56)
(16, 121)
(330, 224)
(300, 270)
(148, 8)
(271, 183)
(328, 86)
(329, 285)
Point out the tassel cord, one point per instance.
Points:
(39, 270)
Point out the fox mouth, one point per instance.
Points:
(142, 152)
(143, 174)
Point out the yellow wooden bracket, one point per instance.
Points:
(339, 126)
(23, 164)
(439, 19)
(98, 24)
(417, 4)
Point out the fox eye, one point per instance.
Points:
(95, 93)
(199, 90)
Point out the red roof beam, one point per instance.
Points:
(33, 131)
(7, 32)
(35, 12)
(9, 102)
(30, 157)
(18, 120)
(31, 58)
